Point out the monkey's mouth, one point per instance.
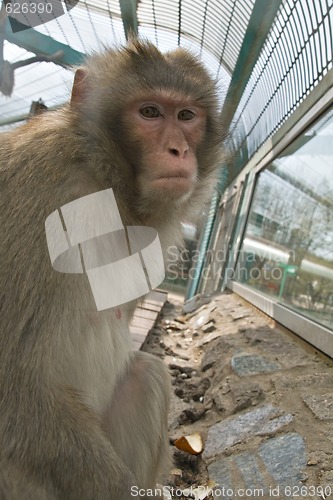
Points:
(176, 184)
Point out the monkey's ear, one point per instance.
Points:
(79, 87)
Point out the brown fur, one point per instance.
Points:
(70, 419)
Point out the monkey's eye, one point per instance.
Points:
(186, 114)
(150, 112)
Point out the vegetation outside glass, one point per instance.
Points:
(287, 250)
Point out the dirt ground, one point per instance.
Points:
(198, 348)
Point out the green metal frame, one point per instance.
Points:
(204, 241)
(33, 41)
(260, 23)
(129, 16)
(40, 44)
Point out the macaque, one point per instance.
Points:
(83, 417)
(15, 486)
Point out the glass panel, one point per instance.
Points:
(287, 250)
(181, 266)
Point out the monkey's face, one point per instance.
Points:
(165, 132)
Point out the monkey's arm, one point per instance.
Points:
(59, 444)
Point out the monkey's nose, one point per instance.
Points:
(179, 152)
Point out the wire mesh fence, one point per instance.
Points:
(296, 55)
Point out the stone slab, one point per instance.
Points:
(311, 379)
(261, 421)
(249, 468)
(221, 473)
(240, 313)
(252, 364)
(246, 395)
(320, 404)
(266, 472)
(284, 458)
(271, 342)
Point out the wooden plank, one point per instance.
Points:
(139, 337)
(145, 316)
(134, 329)
(143, 322)
(152, 307)
(152, 303)
(145, 313)
(156, 296)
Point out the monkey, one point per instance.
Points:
(15, 486)
(82, 416)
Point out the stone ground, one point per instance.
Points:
(261, 398)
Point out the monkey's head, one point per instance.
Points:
(159, 115)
